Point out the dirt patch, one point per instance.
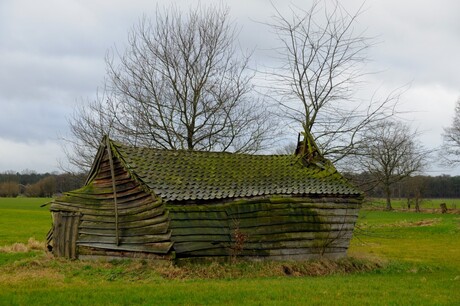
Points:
(401, 224)
(425, 222)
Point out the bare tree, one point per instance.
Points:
(180, 84)
(451, 146)
(88, 124)
(321, 66)
(390, 153)
(414, 189)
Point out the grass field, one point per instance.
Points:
(427, 205)
(397, 258)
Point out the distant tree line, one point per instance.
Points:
(419, 186)
(32, 184)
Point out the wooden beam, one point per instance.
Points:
(112, 172)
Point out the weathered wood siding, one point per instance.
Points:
(296, 228)
(65, 229)
(142, 223)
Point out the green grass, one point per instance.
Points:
(417, 256)
(409, 237)
(395, 289)
(426, 204)
(23, 218)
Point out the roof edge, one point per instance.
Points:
(126, 166)
(97, 159)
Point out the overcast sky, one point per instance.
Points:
(52, 57)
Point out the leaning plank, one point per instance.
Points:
(199, 215)
(160, 228)
(275, 220)
(203, 238)
(184, 247)
(296, 211)
(308, 251)
(306, 256)
(99, 206)
(299, 236)
(125, 214)
(297, 227)
(79, 197)
(316, 243)
(160, 247)
(207, 253)
(281, 254)
(264, 206)
(201, 231)
(125, 225)
(144, 239)
(197, 223)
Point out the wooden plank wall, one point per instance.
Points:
(143, 221)
(301, 229)
(65, 233)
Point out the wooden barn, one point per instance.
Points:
(142, 202)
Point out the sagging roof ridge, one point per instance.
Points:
(177, 182)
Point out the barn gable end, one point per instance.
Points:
(138, 223)
(206, 204)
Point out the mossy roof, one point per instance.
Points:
(190, 175)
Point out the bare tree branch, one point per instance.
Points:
(180, 84)
(322, 60)
(390, 153)
(450, 150)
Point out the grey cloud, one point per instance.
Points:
(52, 52)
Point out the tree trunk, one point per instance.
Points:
(388, 194)
(417, 202)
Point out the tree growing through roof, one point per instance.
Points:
(390, 153)
(181, 83)
(451, 137)
(321, 64)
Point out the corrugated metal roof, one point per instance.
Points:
(191, 175)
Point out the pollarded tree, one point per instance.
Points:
(321, 64)
(390, 153)
(451, 137)
(180, 84)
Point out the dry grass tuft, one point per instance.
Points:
(426, 222)
(323, 267)
(320, 267)
(403, 223)
(28, 275)
(47, 268)
(32, 245)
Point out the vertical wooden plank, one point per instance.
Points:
(65, 234)
(70, 227)
(67, 230)
(57, 233)
(75, 224)
(61, 235)
(112, 172)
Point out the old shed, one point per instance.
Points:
(143, 202)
